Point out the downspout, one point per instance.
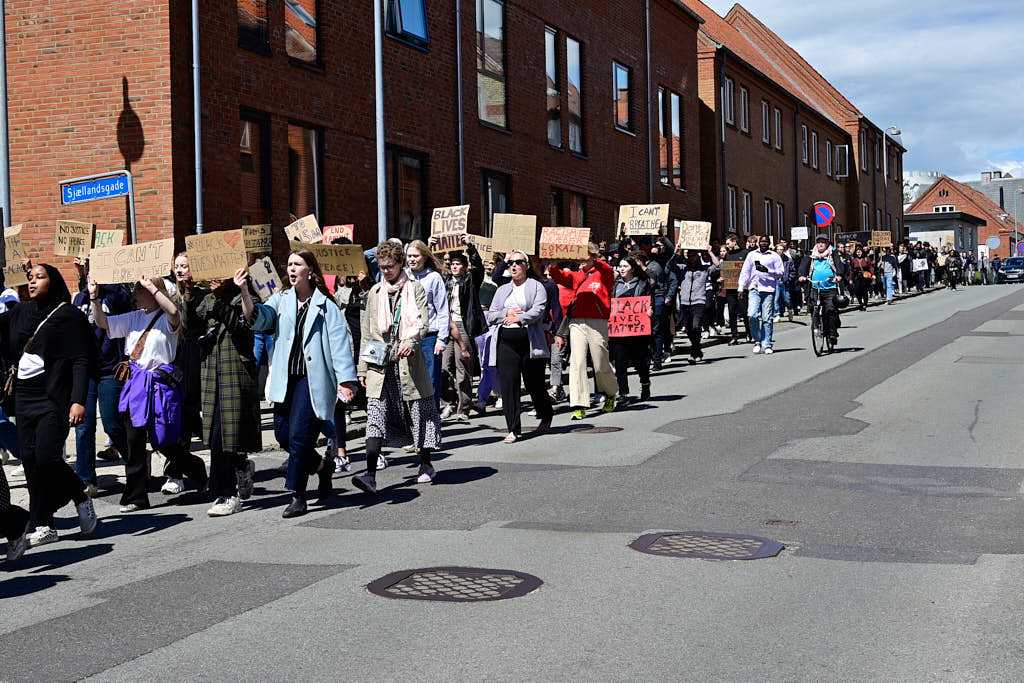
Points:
(460, 142)
(378, 96)
(5, 160)
(885, 178)
(720, 123)
(798, 149)
(650, 94)
(197, 131)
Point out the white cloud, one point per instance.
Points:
(949, 74)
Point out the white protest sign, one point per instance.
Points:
(265, 279)
(305, 229)
(114, 265)
(695, 235)
(798, 232)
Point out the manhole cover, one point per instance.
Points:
(597, 430)
(707, 546)
(455, 584)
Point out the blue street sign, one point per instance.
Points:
(116, 184)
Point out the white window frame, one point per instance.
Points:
(766, 123)
(767, 215)
(731, 208)
(865, 216)
(814, 149)
(728, 95)
(744, 109)
(878, 218)
(803, 142)
(748, 213)
(944, 208)
(828, 158)
(864, 150)
(778, 128)
(780, 218)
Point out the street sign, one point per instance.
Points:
(116, 184)
(1020, 248)
(824, 214)
(993, 243)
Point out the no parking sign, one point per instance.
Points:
(824, 214)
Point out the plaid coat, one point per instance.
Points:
(229, 375)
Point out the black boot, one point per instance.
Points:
(296, 508)
(645, 392)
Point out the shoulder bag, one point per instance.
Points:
(377, 352)
(123, 370)
(7, 392)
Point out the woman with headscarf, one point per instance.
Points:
(393, 368)
(54, 354)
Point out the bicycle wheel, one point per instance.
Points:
(818, 340)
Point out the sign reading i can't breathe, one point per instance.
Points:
(631, 317)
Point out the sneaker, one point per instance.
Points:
(777, 318)
(132, 507)
(87, 516)
(757, 348)
(557, 395)
(791, 316)
(41, 536)
(447, 412)
(342, 464)
(365, 483)
(172, 487)
(244, 479)
(461, 418)
(222, 507)
(296, 508)
(426, 475)
(91, 490)
(533, 413)
(16, 548)
(108, 455)
(768, 350)
(382, 462)
(609, 405)
(579, 414)
(411, 448)
(498, 405)
(705, 334)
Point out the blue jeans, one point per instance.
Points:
(782, 299)
(263, 348)
(106, 392)
(296, 428)
(890, 286)
(433, 365)
(761, 311)
(9, 435)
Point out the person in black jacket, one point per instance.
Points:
(55, 356)
(631, 281)
(736, 300)
(463, 282)
(664, 286)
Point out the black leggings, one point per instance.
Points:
(515, 366)
(630, 350)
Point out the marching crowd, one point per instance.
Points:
(417, 340)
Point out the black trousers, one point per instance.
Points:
(181, 464)
(514, 365)
(224, 465)
(12, 518)
(626, 351)
(692, 317)
(42, 430)
(737, 311)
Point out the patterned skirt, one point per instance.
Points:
(400, 422)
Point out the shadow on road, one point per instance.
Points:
(26, 585)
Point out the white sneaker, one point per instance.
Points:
(426, 476)
(757, 348)
(342, 464)
(173, 487)
(706, 334)
(130, 507)
(778, 318)
(498, 405)
(87, 516)
(382, 462)
(222, 507)
(447, 412)
(533, 413)
(768, 350)
(41, 536)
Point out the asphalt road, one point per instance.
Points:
(891, 472)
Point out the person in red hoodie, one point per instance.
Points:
(587, 324)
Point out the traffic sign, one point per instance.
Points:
(116, 184)
(824, 214)
(993, 243)
(1020, 248)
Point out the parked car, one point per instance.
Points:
(1013, 270)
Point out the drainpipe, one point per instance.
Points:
(461, 143)
(650, 94)
(378, 93)
(720, 123)
(798, 151)
(5, 161)
(197, 130)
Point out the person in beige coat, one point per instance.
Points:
(393, 369)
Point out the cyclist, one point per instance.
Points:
(824, 271)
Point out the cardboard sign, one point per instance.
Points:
(731, 274)
(333, 232)
(448, 241)
(484, 245)
(695, 235)
(72, 238)
(448, 219)
(881, 238)
(631, 317)
(564, 244)
(115, 265)
(515, 232)
(265, 279)
(343, 260)
(258, 238)
(103, 239)
(14, 272)
(216, 255)
(305, 230)
(919, 264)
(860, 237)
(798, 232)
(644, 219)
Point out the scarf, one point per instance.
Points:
(819, 253)
(410, 324)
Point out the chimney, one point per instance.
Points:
(996, 175)
(986, 176)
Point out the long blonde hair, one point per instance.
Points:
(429, 260)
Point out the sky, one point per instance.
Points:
(949, 74)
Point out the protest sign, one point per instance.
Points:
(694, 235)
(643, 219)
(216, 255)
(448, 219)
(484, 245)
(14, 271)
(919, 264)
(72, 238)
(731, 273)
(859, 236)
(114, 265)
(631, 317)
(258, 238)
(343, 260)
(564, 244)
(448, 241)
(265, 279)
(306, 230)
(515, 232)
(880, 238)
(333, 232)
(798, 232)
(103, 239)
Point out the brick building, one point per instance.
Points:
(948, 196)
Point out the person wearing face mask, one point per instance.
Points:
(392, 367)
(694, 276)
(152, 399)
(424, 268)
(518, 345)
(631, 281)
(311, 369)
(52, 347)
(761, 273)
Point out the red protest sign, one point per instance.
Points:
(631, 317)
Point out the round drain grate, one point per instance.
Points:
(597, 430)
(455, 584)
(707, 546)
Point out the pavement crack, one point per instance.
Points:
(977, 411)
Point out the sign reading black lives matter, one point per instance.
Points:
(448, 228)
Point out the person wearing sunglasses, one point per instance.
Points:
(518, 345)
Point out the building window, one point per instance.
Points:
(556, 211)
(814, 149)
(728, 90)
(676, 141)
(252, 24)
(766, 123)
(663, 146)
(842, 155)
(301, 32)
(574, 67)
(778, 128)
(744, 110)
(864, 150)
(577, 210)
(865, 216)
(553, 81)
(944, 208)
(407, 19)
(406, 195)
(828, 158)
(767, 216)
(490, 62)
(254, 169)
(493, 198)
(878, 219)
(878, 154)
(780, 219)
(304, 178)
(730, 210)
(670, 136)
(888, 221)
(803, 143)
(748, 212)
(621, 80)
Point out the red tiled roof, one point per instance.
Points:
(989, 209)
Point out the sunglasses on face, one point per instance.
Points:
(517, 262)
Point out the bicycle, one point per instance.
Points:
(821, 341)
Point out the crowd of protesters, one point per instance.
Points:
(170, 360)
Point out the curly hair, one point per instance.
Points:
(390, 250)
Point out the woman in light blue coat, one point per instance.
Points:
(311, 368)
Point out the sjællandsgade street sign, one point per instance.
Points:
(108, 187)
